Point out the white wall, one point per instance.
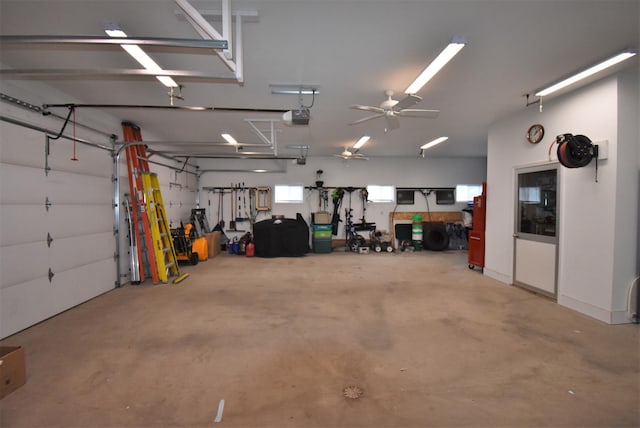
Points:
(596, 262)
(627, 257)
(400, 172)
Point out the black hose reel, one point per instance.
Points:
(576, 151)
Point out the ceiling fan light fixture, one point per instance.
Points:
(143, 59)
(586, 73)
(436, 65)
(229, 139)
(433, 143)
(361, 142)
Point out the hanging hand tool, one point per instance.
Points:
(221, 208)
(238, 190)
(244, 203)
(232, 222)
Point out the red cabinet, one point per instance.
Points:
(479, 213)
(476, 249)
(476, 234)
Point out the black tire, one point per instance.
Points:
(436, 239)
(194, 259)
(471, 267)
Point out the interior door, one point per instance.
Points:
(536, 229)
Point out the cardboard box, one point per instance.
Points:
(13, 372)
(213, 241)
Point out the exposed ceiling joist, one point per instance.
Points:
(62, 72)
(233, 60)
(166, 107)
(100, 40)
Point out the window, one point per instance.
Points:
(466, 192)
(378, 193)
(289, 194)
(405, 197)
(529, 195)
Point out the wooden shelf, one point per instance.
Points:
(434, 216)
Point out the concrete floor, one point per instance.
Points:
(430, 342)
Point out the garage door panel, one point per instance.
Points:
(32, 301)
(70, 188)
(74, 220)
(75, 286)
(24, 305)
(79, 219)
(90, 161)
(22, 185)
(22, 224)
(22, 263)
(31, 223)
(20, 146)
(59, 186)
(27, 147)
(70, 253)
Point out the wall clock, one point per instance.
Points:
(535, 133)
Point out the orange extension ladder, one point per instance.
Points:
(147, 213)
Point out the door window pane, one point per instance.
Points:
(537, 202)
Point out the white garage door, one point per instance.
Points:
(39, 279)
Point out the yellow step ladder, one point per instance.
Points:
(165, 253)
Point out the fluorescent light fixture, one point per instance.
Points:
(433, 143)
(361, 142)
(115, 33)
(293, 89)
(229, 139)
(586, 73)
(145, 60)
(436, 65)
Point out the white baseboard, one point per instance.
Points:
(601, 314)
(507, 279)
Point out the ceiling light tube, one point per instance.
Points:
(586, 73)
(361, 142)
(229, 139)
(433, 143)
(145, 60)
(293, 89)
(436, 65)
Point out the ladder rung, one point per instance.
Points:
(170, 265)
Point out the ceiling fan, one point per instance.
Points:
(390, 109)
(348, 155)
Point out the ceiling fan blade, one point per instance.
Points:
(392, 122)
(416, 112)
(364, 119)
(367, 108)
(408, 101)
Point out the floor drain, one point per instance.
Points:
(353, 392)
